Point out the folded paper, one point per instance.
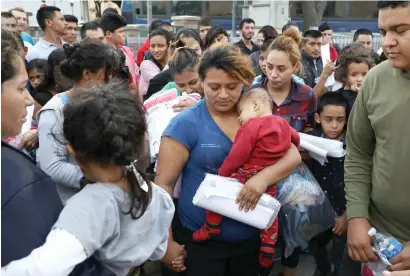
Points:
(218, 194)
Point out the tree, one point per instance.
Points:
(312, 13)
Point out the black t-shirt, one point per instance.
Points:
(43, 97)
(330, 177)
(157, 83)
(350, 97)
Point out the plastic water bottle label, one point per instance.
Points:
(393, 250)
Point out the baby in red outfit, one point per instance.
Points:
(260, 142)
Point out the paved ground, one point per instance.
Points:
(306, 267)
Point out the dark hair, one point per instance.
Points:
(71, 18)
(37, 63)
(335, 98)
(353, 53)
(62, 83)
(89, 26)
(361, 32)
(325, 27)
(312, 34)
(266, 44)
(163, 33)
(9, 54)
(106, 125)
(54, 60)
(155, 24)
(107, 10)
(392, 4)
(45, 13)
(213, 32)
(112, 21)
(182, 60)
(288, 25)
(229, 58)
(205, 21)
(165, 23)
(185, 33)
(268, 31)
(91, 54)
(246, 20)
(7, 15)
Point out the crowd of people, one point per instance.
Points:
(80, 195)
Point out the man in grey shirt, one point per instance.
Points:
(52, 22)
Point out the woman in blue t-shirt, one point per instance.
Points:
(196, 142)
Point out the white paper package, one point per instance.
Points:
(218, 194)
(320, 148)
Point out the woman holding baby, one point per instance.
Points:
(196, 142)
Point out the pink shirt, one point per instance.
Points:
(148, 71)
(130, 62)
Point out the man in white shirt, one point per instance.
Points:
(52, 22)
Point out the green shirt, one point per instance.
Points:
(171, 85)
(377, 168)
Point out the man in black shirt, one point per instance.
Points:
(247, 27)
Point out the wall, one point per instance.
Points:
(266, 12)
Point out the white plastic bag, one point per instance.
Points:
(373, 269)
(218, 194)
(306, 211)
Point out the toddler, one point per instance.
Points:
(354, 63)
(260, 142)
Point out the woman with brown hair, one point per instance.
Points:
(292, 100)
(224, 71)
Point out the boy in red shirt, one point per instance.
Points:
(260, 142)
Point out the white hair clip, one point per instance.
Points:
(143, 183)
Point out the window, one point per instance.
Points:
(158, 8)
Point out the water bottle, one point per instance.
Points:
(387, 246)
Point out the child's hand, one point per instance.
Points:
(178, 263)
(340, 227)
(355, 87)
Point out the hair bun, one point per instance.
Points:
(294, 34)
(70, 49)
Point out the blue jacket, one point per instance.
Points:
(30, 205)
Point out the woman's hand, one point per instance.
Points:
(184, 104)
(175, 256)
(253, 189)
(29, 140)
(250, 194)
